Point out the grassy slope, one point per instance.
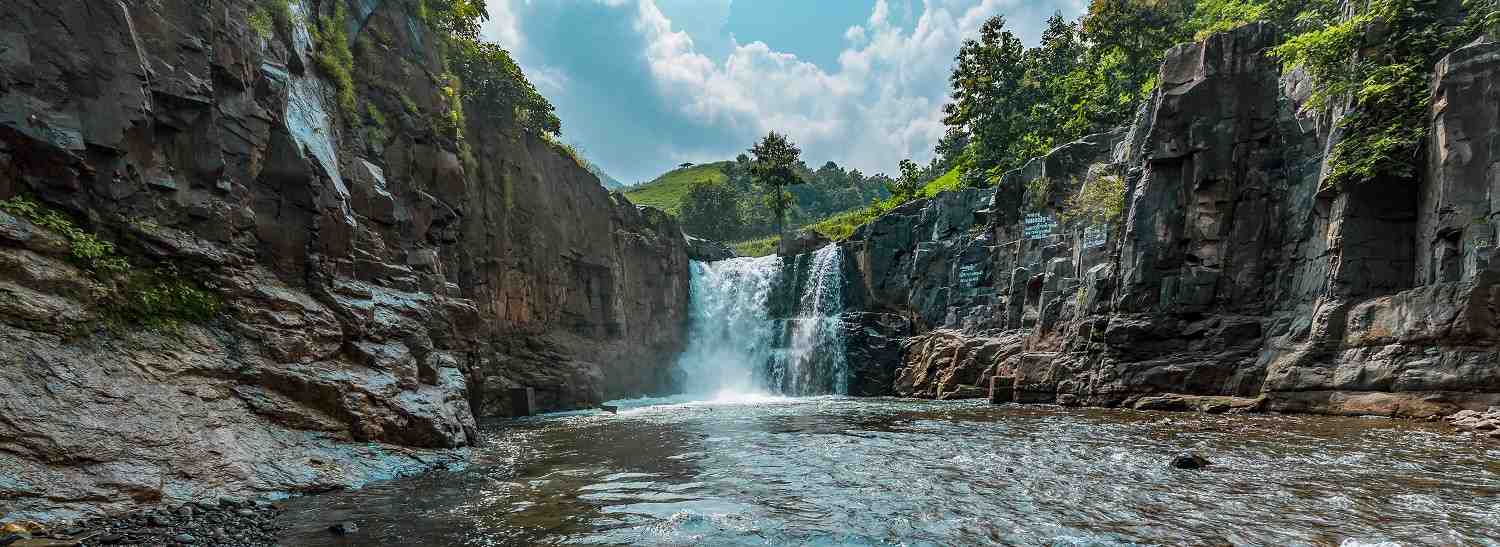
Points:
(840, 226)
(666, 191)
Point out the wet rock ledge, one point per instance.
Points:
(1485, 423)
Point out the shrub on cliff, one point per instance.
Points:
(333, 57)
(157, 298)
(1101, 201)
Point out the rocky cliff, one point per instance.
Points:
(1235, 276)
(375, 274)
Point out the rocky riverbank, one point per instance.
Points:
(225, 522)
(220, 277)
(1485, 423)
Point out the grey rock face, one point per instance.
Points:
(873, 351)
(707, 250)
(380, 288)
(1235, 281)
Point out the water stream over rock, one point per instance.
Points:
(767, 325)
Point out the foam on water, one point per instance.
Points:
(738, 351)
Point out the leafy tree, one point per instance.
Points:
(455, 19)
(493, 81)
(989, 103)
(906, 186)
(711, 209)
(774, 167)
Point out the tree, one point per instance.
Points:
(775, 168)
(494, 85)
(909, 183)
(989, 96)
(711, 209)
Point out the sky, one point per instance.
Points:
(644, 85)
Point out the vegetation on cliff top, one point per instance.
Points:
(1011, 103)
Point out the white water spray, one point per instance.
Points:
(736, 346)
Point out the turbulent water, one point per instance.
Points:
(839, 471)
(737, 346)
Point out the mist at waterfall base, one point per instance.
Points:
(741, 349)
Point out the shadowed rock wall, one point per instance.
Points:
(383, 281)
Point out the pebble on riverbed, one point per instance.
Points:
(1484, 423)
(228, 522)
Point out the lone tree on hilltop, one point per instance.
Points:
(775, 168)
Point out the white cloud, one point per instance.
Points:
(883, 103)
(880, 104)
(503, 27)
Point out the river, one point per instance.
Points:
(763, 470)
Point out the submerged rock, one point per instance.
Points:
(344, 528)
(1189, 461)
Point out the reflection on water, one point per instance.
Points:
(838, 471)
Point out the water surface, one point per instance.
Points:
(841, 471)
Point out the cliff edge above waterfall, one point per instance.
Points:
(251, 247)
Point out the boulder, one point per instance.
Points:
(803, 241)
(1189, 461)
(707, 250)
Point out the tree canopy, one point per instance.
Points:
(774, 165)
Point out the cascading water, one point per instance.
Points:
(767, 325)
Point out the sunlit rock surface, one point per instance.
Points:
(382, 285)
(1235, 279)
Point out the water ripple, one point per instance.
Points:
(838, 471)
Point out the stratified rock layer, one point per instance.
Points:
(384, 281)
(1235, 279)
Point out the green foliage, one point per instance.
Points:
(951, 180)
(260, 21)
(379, 128)
(711, 209)
(267, 16)
(909, 183)
(668, 191)
(334, 58)
(1038, 195)
(774, 165)
(86, 249)
(162, 299)
(1100, 201)
(1011, 103)
(459, 19)
(495, 84)
(157, 298)
(756, 247)
(1379, 64)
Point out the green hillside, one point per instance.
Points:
(666, 191)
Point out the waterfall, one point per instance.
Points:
(767, 325)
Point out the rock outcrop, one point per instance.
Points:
(384, 277)
(1235, 279)
(708, 250)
